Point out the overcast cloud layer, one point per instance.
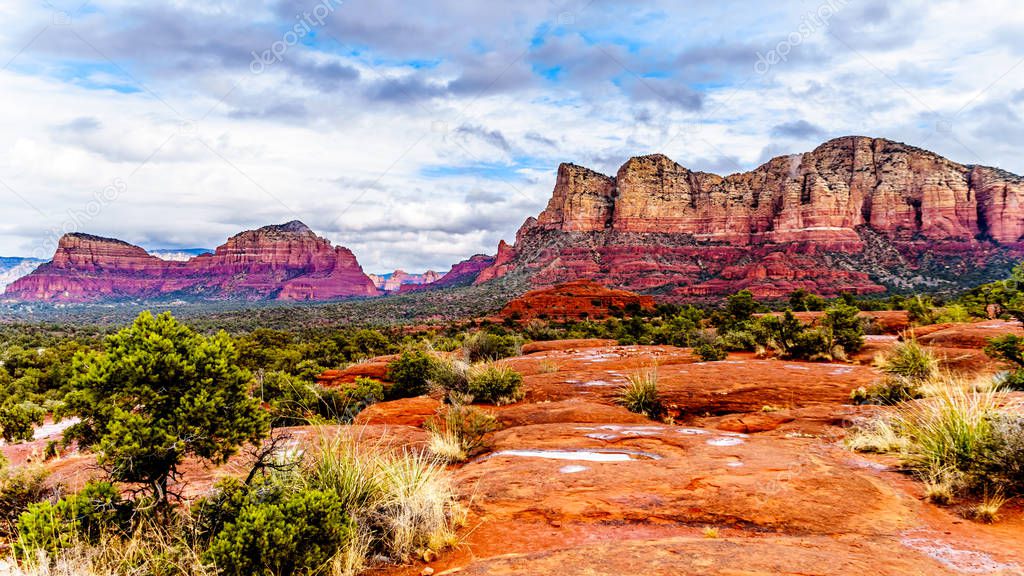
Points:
(420, 133)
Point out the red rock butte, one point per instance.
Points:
(856, 214)
(283, 262)
(576, 300)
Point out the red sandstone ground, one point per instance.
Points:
(754, 452)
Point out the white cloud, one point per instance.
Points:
(373, 142)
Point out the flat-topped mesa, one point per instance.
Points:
(825, 194)
(835, 199)
(86, 252)
(287, 262)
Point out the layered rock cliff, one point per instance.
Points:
(856, 214)
(284, 262)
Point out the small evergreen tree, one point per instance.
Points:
(160, 393)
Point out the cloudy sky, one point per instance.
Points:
(420, 132)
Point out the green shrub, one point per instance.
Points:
(739, 341)
(161, 393)
(1010, 350)
(846, 326)
(957, 440)
(84, 516)
(803, 301)
(452, 378)
(739, 310)
(19, 419)
(458, 432)
(911, 362)
(811, 344)
(640, 394)
(290, 401)
(888, 391)
(290, 534)
(401, 501)
(1002, 460)
(777, 333)
(494, 384)
(920, 310)
(19, 488)
(366, 390)
(481, 346)
(410, 374)
(711, 351)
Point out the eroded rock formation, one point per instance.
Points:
(856, 214)
(284, 262)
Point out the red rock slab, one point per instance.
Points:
(572, 410)
(376, 368)
(791, 484)
(970, 335)
(769, 555)
(404, 412)
(740, 384)
(752, 423)
(550, 345)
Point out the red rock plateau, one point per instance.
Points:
(576, 300)
(283, 262)
(855, 215)
(750, 478)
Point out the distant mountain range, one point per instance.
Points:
(279, 262)
(856, 214)
(12, 268)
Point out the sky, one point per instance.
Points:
(418, 133)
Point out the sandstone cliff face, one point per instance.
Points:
(855, 214)
(286, 262)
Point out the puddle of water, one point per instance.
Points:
(794, 367)
(734, 464)
(573, 469)
(581, 455)
(869, 465)
(601, 436)
(733, 434)
(967, 561)
(725, 441)
(692, 431)
(637, 430)
(598, 383)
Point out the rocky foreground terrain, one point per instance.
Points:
(750, 477)
(856, 214)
